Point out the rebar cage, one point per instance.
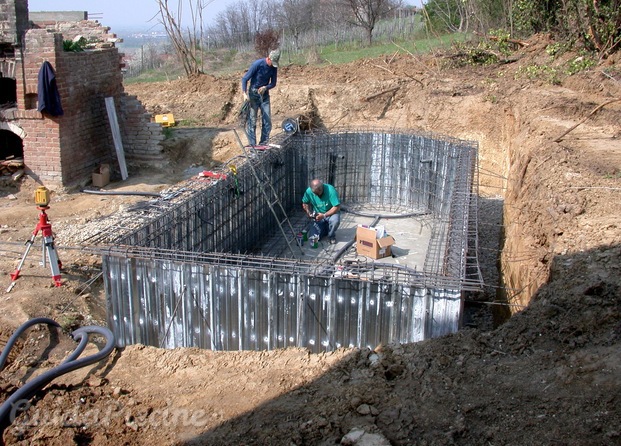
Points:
(208, 268)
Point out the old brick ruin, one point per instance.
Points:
(64, 149)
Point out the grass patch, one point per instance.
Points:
(189, 123)
(345, 54)
(153, 76)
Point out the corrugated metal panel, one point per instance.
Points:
(200, 297)
(173, 304)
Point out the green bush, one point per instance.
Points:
(74, 46)
(502, 42)
(542, 72)
(581, 63)
(594, 24)
(168, 132)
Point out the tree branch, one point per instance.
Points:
(391, 90)
(595, 110)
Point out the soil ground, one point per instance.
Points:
(550, 374)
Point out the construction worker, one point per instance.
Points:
(321, 203)
(262, 74)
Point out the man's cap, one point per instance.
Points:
(274, 57)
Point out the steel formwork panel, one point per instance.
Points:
(223, 308)
(192, 275)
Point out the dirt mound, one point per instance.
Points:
(551, 374)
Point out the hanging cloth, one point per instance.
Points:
(49, 98)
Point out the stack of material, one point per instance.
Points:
(12, 166)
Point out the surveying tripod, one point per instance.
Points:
(49, 251)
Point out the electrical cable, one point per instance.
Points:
(121, 192)
(342, 251)
(13, 339)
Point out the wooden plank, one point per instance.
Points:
(116, 136)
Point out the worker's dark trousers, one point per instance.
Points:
(257, 102)
(327, 226)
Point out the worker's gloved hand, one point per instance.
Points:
(245, 96)
(262, 90)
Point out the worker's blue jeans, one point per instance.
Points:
(327, 226)
(257, 102)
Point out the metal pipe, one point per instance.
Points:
(120, 192)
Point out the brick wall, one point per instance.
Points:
(41, 142)
(66, 149)
(85, 79)
(13, 20)
(142, 135)
(90, 30)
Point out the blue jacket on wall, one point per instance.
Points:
(48, 96)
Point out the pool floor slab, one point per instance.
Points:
(411, 234)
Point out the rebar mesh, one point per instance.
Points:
(224, 225)
(380, 174)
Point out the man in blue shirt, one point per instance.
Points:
(262, 74)
(321, 203)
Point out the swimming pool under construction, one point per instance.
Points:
(216, 264)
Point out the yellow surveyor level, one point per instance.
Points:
(166, 120)
(42, 196)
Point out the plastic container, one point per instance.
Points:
(314, 241)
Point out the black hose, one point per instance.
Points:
(344, 249)
(363, 214)
(19, 399)
(18, 333)
(376, 218)
(120, 192)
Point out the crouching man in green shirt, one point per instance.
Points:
(321, 203)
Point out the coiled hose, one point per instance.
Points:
(18, 399)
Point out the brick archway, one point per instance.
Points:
(11, 141)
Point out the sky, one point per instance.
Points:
(131, 13)
(123, 13)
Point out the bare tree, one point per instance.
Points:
(150, 57)
(239, 23)
(296, 16)
(331, 18)
(188, 48)
(366, 13)
(257, 15)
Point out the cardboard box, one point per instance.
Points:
(368, 244)
(101, 175)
